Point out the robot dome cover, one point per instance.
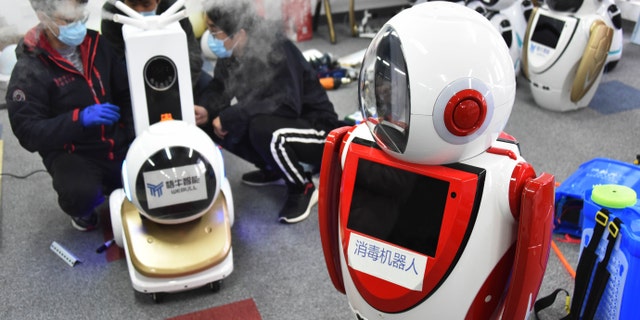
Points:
(453, 88)
(171, 179)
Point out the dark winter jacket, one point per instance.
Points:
(271, 77)
(46, 94)
(112, 31)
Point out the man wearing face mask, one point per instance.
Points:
(68, 99)
(267, 105)
(112, 31)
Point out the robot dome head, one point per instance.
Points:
(172, 172)
(497, 5)
(437, 84)
(564, 5)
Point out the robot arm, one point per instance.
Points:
(328, 204)
(593, 59)
(535, 225)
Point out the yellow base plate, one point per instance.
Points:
(165, 250)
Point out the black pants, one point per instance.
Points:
(281, 145)
(82, 183)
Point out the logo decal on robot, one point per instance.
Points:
(155, 189)
(181, 185)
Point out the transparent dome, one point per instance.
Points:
(384, 91)
(175, 183)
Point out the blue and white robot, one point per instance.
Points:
(567, 46)
(427, 210)
(174, 215)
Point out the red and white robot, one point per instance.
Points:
(567, 46)
(427, 210)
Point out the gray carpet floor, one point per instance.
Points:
(280, 267)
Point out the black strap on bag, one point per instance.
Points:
(602, 275)
(586, 264)
(585, 268)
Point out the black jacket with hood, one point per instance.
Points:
(46, 94)
(272, 77)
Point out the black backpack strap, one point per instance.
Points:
(586, 264)
(602, 275)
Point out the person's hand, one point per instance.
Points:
(98, 114)
(202, 115)
(217, 128)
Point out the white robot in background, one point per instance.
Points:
(612, 16)
(510, 18)
(427, 210)
(567, 46)
(174, 215)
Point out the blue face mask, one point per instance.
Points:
(217, 47)
(148, 13)
(72, 34)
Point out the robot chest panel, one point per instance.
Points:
(404, 225)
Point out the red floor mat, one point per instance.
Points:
(240, 310)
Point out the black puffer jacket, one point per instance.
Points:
(272, 77)
(46, 94)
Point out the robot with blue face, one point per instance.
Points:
(174, 215)
(427, 210)
(567, 46)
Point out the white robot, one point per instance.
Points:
(174, 215)
(510, 18)
(567, 45)
(427, 209)
(612, 16)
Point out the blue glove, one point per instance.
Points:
(97, 114)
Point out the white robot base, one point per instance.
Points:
(156, 253)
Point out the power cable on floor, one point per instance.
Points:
(22, 177)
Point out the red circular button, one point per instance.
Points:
(465, 112)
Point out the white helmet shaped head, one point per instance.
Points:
(437, 84)
(173, 172)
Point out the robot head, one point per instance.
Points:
(564, 5)
(436, 97)
(172, 173)
(497, 5)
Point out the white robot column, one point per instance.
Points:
(158, 67)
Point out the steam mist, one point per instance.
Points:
(16, 19)
(264, 26)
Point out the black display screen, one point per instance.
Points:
(398, 206)
(547, 31)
